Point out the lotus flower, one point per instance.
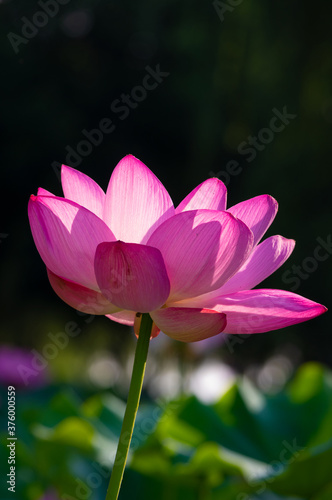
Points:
(192, 268)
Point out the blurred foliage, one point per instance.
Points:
(248, 445)
(225, 78)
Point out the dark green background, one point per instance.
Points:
(225, 78)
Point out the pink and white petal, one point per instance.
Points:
(83, 190)
(66, 236)
(136, 201)
(132, 276)
(44, 192)
(210, 194)
(257, 213)
(123, 317)
(79, 297)
(263, 310)
(264, 260)
(189, 325)
(202, 249)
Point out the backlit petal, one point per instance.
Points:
(189, 325)
(79, 297)
(44, 192)
(132, 276)
(211, 195)
(136, 201)
(66, 236)
(83, 190)
(123, 317)
(265, 259)
(257, 213)
(262, 310)
(202, 249)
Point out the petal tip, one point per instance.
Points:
(66, 170)
(272, 200)
(130, 158)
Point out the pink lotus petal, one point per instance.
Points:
(136, 201)
(257, 213)
(263, 310)
(44, 192)
(79, 297)
(123, 317)
(265, 259)
(202, 249)
(211, 195)
(189, 325)
(132, 276)
(83, 190)
(66, 236)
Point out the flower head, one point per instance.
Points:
(192, 268)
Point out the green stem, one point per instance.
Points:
(134, 395)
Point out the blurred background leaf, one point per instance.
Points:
(244, 444)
